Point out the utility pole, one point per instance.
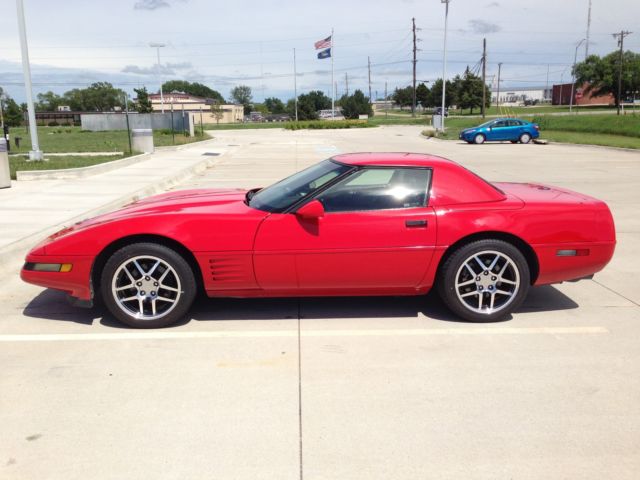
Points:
(35, 153)
(620, 36)
(158, 46)
(573, 75)
(484, 75)
(386, 98)
(586, 48)
(369, 63)
(346, 82)
(444, 62)
(415, 49)
(498, 92)
(546, 88)
(295, 83)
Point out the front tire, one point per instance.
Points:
(147, 285)
(484, 281)
(479, 139)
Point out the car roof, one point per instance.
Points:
(393, 159)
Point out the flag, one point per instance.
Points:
(324, 54)
(326, 43)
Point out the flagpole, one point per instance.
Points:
(295, 83)
(333, 91)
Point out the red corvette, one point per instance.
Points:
(356, 224)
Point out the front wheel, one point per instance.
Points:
(479, 139)
(484, 281)
(147, 285)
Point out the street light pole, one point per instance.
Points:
(35, 153)
(444, 62)
(158, 46)
(573, 74)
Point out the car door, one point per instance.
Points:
(377, 234)
(499, 131)
(515, 129)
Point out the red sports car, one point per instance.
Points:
(356, 224)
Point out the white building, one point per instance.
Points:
(517, 96)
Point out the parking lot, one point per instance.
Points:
(340, 388)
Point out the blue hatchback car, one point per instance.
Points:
(502, 129)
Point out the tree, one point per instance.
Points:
(99, 96)
(450, 94)
(274, 105)
(216, 111)
(306, 108)
(13, 115)
(403, 96)
(469, 91)
(423, 95)
(143, 104)
(48, 102)
(319, 99)
(355, 105)
(601, 73)
(196, 89)
(241, 94)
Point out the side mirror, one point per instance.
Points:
(312, 210)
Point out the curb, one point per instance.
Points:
(80, 172)
(12, 255)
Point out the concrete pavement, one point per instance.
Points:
(357, 388)
(37, 208)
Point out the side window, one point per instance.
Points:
(378, 189)
(501, 123)
(514, 123)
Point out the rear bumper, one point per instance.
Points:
(76, 282)
(556, 268)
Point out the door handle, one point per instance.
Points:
(415, 223)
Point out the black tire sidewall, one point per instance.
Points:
(449, 270)
(173, 258)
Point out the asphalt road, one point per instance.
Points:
(351, 388)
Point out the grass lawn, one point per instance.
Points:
(603, 139)
(73, 139)
(54, 163)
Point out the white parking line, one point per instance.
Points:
(415, 332)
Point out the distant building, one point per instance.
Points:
(63, 108)
(189, 103)
(562, 96)
(515, 97)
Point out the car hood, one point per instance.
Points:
(181, 201)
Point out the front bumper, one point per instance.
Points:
(76, 282)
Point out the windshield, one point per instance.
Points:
(486, 124)
(280, 196)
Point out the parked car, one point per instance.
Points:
(355, 224)
(438, 111)
(501, 129)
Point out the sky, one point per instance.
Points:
(222, 44)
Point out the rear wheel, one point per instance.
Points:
(525, 138)
(479, 139)
(147, 285)
(484, 281)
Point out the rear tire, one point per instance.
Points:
(147, 285)
(525, 138)
(494, 290)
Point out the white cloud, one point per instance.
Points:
(481, 27)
